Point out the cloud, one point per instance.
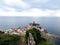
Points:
(5, 8)
(23, 8)
(57, 13)
(31, 12)
(41, 1)
(19, 3)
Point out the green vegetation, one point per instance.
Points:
(36, 34)
(6, 39)
(37, 37)
(44, 43)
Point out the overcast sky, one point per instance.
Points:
(30, 8)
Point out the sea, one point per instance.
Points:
(51, 24)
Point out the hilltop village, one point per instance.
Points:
(21, 31)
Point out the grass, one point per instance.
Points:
(44, 43)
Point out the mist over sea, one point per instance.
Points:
(51, 24)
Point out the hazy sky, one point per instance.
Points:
(30, 8)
